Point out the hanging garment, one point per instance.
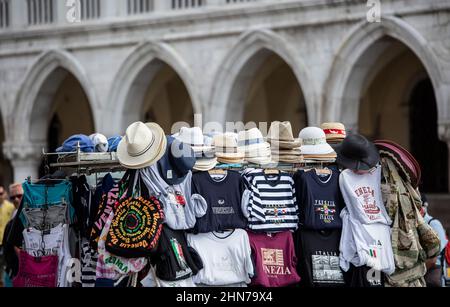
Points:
(365, 244)
(55, 242)
(175, 259)
(123, 266)
(106, 206)
(89, 258)
(224, 199)
(47, 195)
(274, 258)
(82, 196)
(36, 271)
(364, 277)
(318, 253)
(362, 195)
(402, 203)
(40, 218)
(319, 199)
(180, 209)
(272, 205)
(230, 262)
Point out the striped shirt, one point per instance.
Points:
(272, 204)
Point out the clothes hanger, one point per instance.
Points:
(217, 171)
(271, 171)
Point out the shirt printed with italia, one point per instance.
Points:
(320, 200)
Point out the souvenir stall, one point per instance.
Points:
(226, 210)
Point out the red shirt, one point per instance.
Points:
(275, 260)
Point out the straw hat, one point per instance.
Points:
(205, 155)
(226, 146)
(334, 131)
(252, 143)
(194, 138)
(280, 135)
(142, 146)
(314, 142)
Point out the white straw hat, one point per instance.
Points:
(314, 142)
(142, 146)
(194, 137)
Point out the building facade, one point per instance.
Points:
(307, 61)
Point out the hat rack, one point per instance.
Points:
(98, 162)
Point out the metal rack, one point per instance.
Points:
(92, 163)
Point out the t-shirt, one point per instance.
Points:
(275, 259)
(226, 257)
(224, 197)
(362, 195)
(272, 205)
(319, 199)
(181, 208)
(56, 242)
(174, 259)
(318, 252)
(6, 212)
(365, 244)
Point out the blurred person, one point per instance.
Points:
(434, 276)
(10, 256)
(15, 196)
(6, 212)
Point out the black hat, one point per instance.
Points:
(357, 153)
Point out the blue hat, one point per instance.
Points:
(177, 161)
(113, 142)
(70, 145)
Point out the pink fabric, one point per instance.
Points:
(275, 260)
(36, 272)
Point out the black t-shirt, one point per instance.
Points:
(364, 277)
(318, 253)
(174, 259)
(224, 198)
(319, 199)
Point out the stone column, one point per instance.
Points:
(18, 14)
(444, 135)
(25, 159)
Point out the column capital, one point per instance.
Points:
(23, 151)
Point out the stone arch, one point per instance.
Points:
(41, 82)
(347, 74)
(135, 75)
(235, 73)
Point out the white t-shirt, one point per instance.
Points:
(365, 244)
(56, 242)
(362, 196)
(226, 257)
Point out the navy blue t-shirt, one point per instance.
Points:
(319, 199)
(224, 198)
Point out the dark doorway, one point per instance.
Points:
(431, 153)
(53, 142)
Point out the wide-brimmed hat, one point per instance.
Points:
(280, 135)
(194, 138)
(357, 153)
(314, 142)
(334, 131)
(252, 140)
(226, 146)
(177, 162)
(205, 164)
(143, 145)
(404, 160)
